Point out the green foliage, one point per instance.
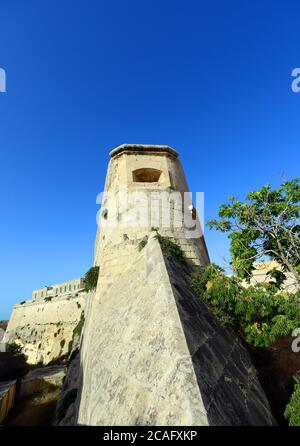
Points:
(77, 331)
(48, 298)
(218, 290)
(142, 244)
(22, 303)
(292, 410)
(65, 403)
(278, 276)
(265, 225)
(62, 343)
(170, 248)
(13, 348)
(91, 278)
(200, 279)
(259, 313)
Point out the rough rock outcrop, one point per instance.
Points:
(41, 378)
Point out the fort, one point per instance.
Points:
(151, 352)
(43, 326)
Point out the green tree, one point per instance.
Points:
(266, 224)
(258, 313)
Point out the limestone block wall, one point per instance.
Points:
(45, 329)
(135, 363)
(153, 354)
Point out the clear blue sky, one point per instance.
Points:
(210, 78)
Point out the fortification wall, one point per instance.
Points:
(153, 354)
(44, 329)
(135, 363)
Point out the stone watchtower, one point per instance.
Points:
(145, 188)
(152, 353)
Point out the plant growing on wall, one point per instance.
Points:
(48, 298)
(77, 331)
(91, 278)
(142, 244)
(170, 248)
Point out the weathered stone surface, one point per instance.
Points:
(136, 364)
(153, 354)
(44, 330)
(38, 379)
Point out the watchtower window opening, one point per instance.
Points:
(146, 175)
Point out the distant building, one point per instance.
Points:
(59, 289)
(260, 275)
